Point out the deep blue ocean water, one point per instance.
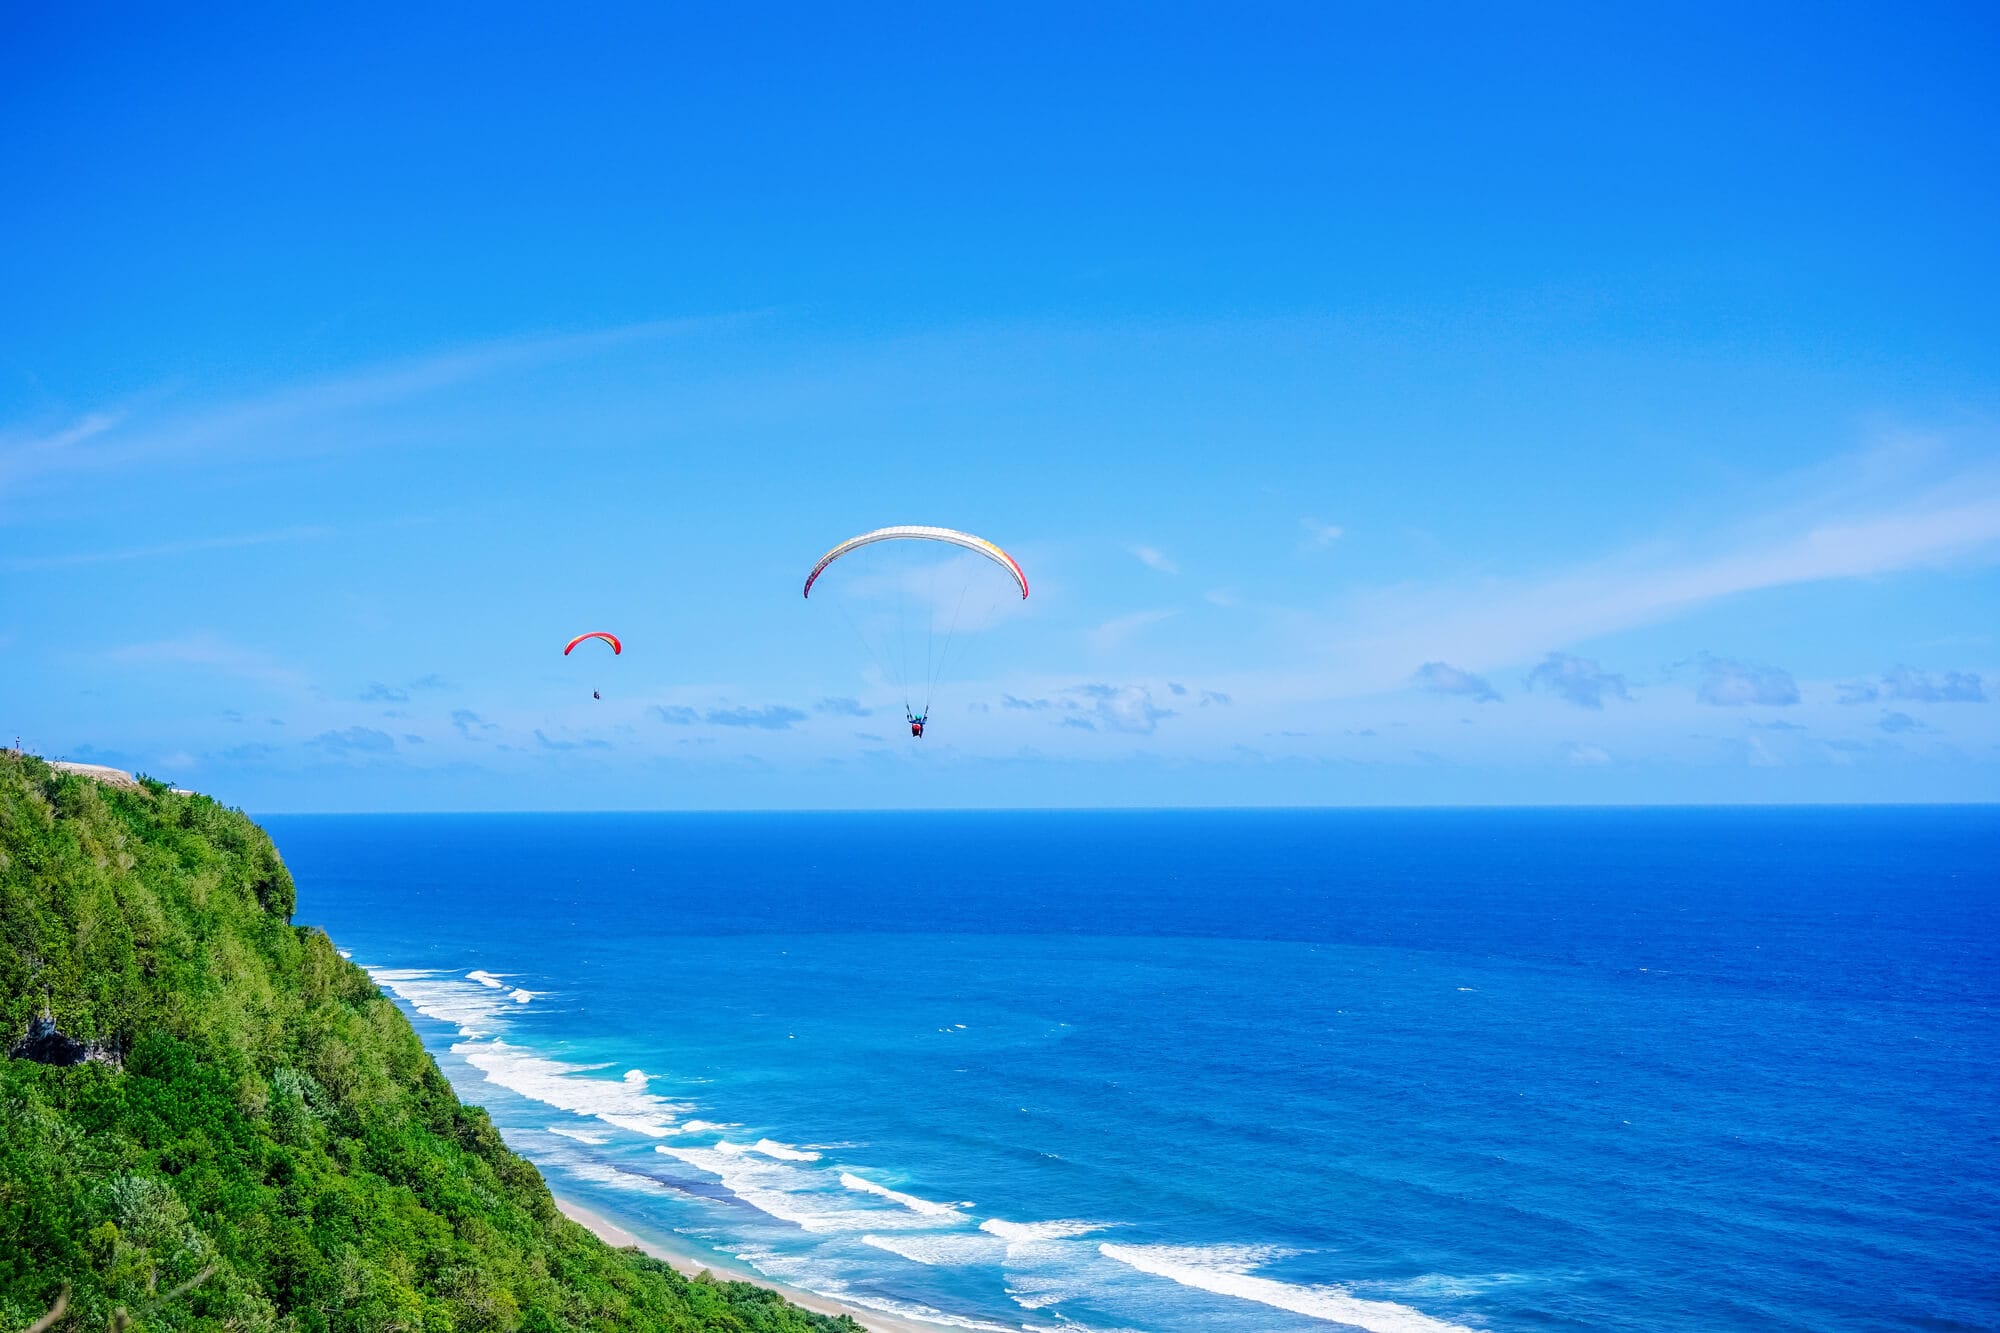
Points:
(1405, 1071)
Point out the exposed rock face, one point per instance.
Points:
(109, 776)
(114, 777)
(47, 1046)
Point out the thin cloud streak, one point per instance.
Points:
(165, 550)
(211, 653)
(1117, 631)
(19, 444)
(1319, 535)
(1494, 624)
(220, 426)
(1500, 624)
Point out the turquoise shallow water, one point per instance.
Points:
(1404, 1071)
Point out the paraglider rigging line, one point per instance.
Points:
(883, 659)
(931, 677)
(894, 659)
(930, 637)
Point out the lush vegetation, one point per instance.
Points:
(277, 1151)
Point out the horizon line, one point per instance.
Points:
(1149, 809)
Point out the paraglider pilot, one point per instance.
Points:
(916, 724)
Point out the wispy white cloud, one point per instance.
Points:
(1319, 535)
(771, 717)
(1492, 623)
(101, 440)
(49, 445)
(548, 742)
(470, 724)
(1444, 678)
(1156, 558)
(1097, 706)
(1730, 684)
(1126, 708)
(353, 741)
(1119, 630)
(1761, 754)
(1577, 679)
(209, 652)
(164, 550)
(1909, 685)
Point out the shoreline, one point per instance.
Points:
(690, 1262)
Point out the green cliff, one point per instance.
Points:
(262, 1142)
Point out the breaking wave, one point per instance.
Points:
(624, 1103)
(789, 1193)
(848, 1180)
(939, 1249)
(782, 1152)
(473, 1010)
(1225, 1270)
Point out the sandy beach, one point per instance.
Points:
(691, 1263)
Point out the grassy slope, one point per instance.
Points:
(277, 1125)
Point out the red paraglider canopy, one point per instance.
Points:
(612, 639)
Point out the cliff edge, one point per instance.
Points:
(276, 1150)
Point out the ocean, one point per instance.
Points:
(1403, 1071)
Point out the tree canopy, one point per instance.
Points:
(277, 1150)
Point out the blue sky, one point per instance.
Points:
(1437, 405)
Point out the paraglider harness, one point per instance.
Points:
(916, 723)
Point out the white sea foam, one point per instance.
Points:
(1029, 1233)
(622, 1103)
(638, 1124)
(783, 1152)
(701, 1127)
(1225, 1271)
(519, 996)
(1041, 1262)
(789, 1193)
(1219, 1258)
(849, 1180)
(824, 1278)
(448, 999)
(595, 1138)
(485, 979)
(938, 1249)
(817, 1275)
(921, 1313)
(1446, 1285)
(783, 1192)
(600, 1173)
(1040, 1258)
(1033, 1292)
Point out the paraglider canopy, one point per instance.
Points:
(913, 532)
(917, 603)
(612, 639)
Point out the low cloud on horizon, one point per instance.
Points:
(1727, 683)
(1444, 678)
